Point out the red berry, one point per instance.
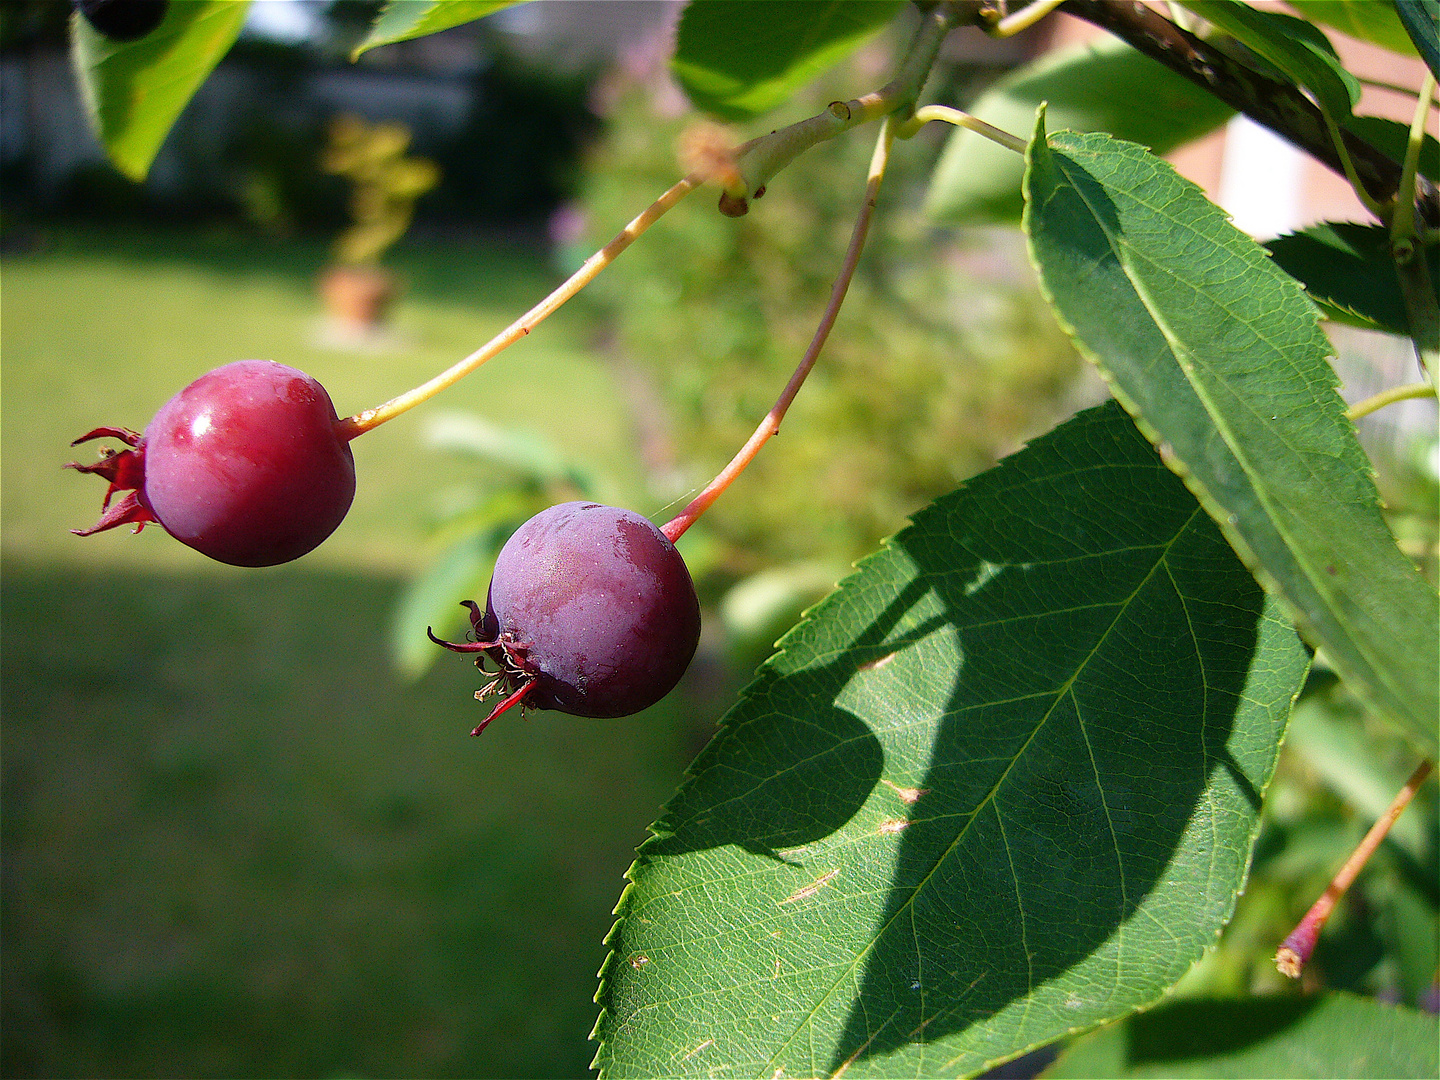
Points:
(243, 465)
(591, 612)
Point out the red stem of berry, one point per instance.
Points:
(675, 528)
(1295, 950)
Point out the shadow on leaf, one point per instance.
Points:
(792, 774)
(1053, 810)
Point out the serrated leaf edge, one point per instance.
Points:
(690, 775)
(1219, 514)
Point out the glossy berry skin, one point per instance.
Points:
(591, 612)
(243, 465)
(123, 20)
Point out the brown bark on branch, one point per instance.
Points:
(1278, 106)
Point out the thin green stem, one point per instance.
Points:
(1407, 246)
(371, 418)
(1023, 19)
(770, 425)
(1347, 165)
(945, 114)
(1381, 84)
(1389, 397)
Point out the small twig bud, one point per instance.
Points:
(707, 151)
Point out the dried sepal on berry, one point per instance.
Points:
(514, 678)
(125, 469)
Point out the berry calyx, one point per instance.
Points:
(244, 465)
(590, 612)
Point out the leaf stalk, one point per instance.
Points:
(1389, 397)
(947, 115)
(1408, 250)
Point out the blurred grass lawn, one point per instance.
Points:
(234, 842)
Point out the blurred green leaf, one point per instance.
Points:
(433, 600)
(402, 20)
(1101, 86)
(528, 455)
(1298, 49)
(1327, 731)
(1331, 1035)
(1369, 20)
(134, 91)
(738, 60)
(1347, 269)
(1218, 355)
(1418, 18)
(1001, 784)
(1411, 925)
(760, 608)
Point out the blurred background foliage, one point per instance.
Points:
(244, 832)
(943, 359)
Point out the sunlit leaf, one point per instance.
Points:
(401, 20)
(737, 59)
(1331, 1035)
(1103, 85)
(999, 786)
(135, 91)
(1219, 356)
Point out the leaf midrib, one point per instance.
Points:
(989, 798)
(1271, 501)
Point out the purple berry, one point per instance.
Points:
(591, 612)
(243, 465)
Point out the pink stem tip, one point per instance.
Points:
(1294, 952)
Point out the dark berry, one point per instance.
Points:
(243, 465)
(591, 612)
(123, 20)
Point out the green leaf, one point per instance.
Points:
(1300, 50)
(1347, 269)
(433, 600)
(736, 60)
(1369, 20)
(134, 91)
(402, 20)
(1218, 355)
(529, 456)
(1418, 18)
(1001, 785)
(1331, 1035)
(1100, 86)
